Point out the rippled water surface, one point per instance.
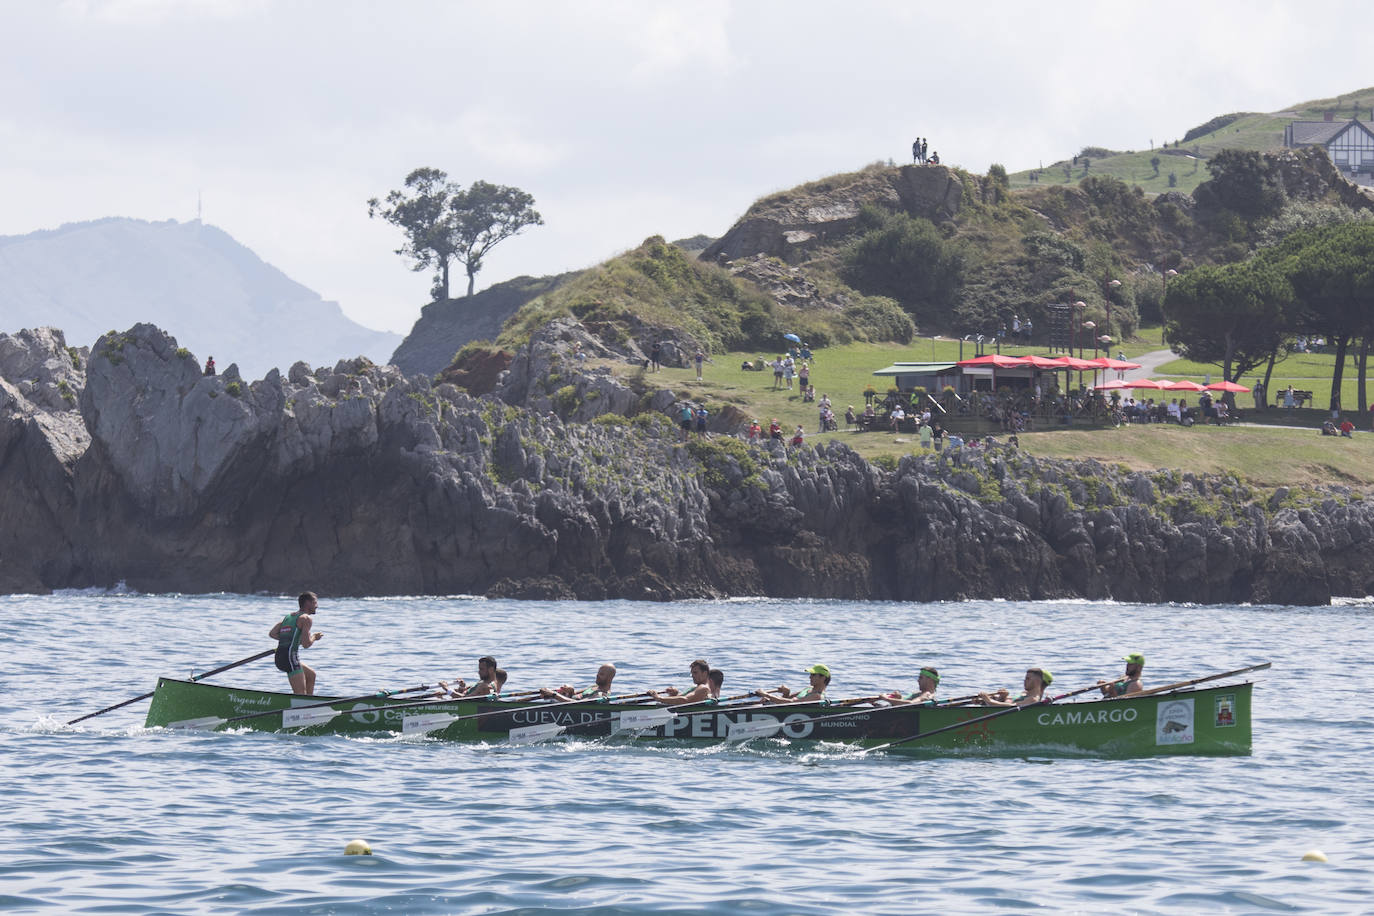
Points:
(109, 817)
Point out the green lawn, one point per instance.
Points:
(1266, 455)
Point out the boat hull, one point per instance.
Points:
(1208, 721)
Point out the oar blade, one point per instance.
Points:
(533, 734)
(296, 718)
(202, 724)
(643, 719)
(747, 731)
(418, 725)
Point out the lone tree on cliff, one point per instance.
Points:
(444, 223)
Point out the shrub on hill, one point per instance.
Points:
(1213, 125)
(905, 258)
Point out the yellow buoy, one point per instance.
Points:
(360, 848)
(1314, 855)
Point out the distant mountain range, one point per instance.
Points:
(216, 297)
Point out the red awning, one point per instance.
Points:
(994, 361)
(1227, 386)
(1118, 364)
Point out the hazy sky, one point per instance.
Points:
(623, 119)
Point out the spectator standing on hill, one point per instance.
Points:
(685, 417)
(777, 373)
(698, 358)
(916, 150)
(210, 366)
(789, 368)
(655, 355)
(701, 421)
(804, 376)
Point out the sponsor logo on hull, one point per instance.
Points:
(1174, 722)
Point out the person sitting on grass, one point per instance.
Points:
(1329, 429)
(1347, 428)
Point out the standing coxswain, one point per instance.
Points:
(293, 633)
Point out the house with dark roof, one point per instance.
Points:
(1350, 144)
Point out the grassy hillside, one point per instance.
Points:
(1186, 158)
(1285, 450)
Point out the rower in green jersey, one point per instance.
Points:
(598, 691)
(292, 634)
(820, 681)
(1130, 683)
(1037, 679)
(699, 692)
(485, 685)
(926, 683)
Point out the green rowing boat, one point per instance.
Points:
(1201, 721)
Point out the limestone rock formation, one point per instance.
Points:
(793, 224)
(357, 479)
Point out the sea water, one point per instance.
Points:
(109, 817)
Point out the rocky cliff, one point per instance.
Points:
(127, 464)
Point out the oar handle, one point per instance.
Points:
(194, 677)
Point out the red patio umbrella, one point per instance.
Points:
(1144, 383)
(1118, 364)
(1227, 386)
(1082, 365)
(1183, 385)
(1115, 384)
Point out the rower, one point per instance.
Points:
(501, 676)
(699, 691)
(820, 680)
(926, 682)
(1130, 683)
(292, 634)
(598, 692)
(486, 681)
(1037, 679)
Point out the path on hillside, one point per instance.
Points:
(1149, 363)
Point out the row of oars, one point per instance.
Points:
(632, 721)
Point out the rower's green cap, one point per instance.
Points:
(1045, 677)
(822, 670)
(1135, 658)
(930, 673)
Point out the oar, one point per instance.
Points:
(993, 715)
(194, 677)
(1196, 680)
(429, 722)
(295, 716)
(746, 731)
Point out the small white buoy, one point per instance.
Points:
(1314, 855)
(360, 848)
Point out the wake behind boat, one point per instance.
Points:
(1182, 721)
